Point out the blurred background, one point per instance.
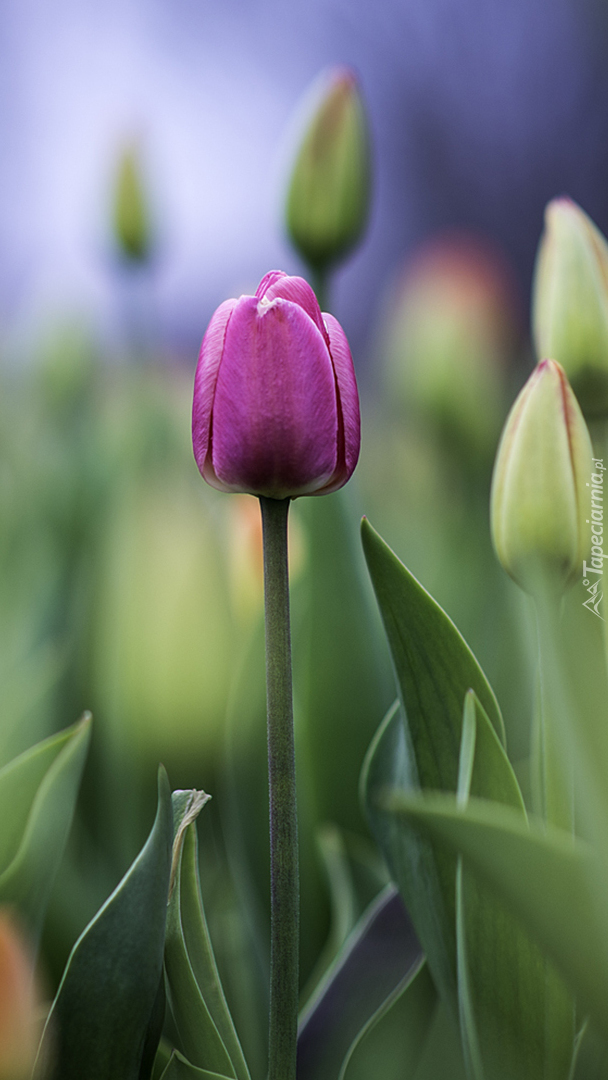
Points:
(480, 112)
(147, 150)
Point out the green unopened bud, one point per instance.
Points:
(131, 218)
(328, 199)
(570, 303)
(540, 502)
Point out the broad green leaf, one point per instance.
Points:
(553, 884)
(521, 1026)
(433, 664)
(100, 1017)
(434, 668)
(198, 1004)
(179, 1068)
(424, 873)
(37, 798)
(379, 959)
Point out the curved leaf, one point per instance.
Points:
(433, 664)
(179, 1068)
(99, 1020)
(198, 1004)
(517, 1019)
(553, 884)
(37, 798)
(424, 872)
(19, 783)
(434, 668)
(392, 1044)
(380, 958)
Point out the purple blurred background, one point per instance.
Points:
(481, 110)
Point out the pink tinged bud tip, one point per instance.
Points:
(276, 409)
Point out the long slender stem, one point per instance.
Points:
(555, 776)
(284, 878)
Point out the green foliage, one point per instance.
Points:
(37, 798)
(179, 1068)
(376, 966)
(198, 1005)
(99, 1020)
(515, 1015)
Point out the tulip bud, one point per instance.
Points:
(540, 489)
(131, 220)
(570, 303)
(275, 409)
(328, 198)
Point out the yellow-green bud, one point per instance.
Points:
(131, 218)
(328, 198)
(570, 302)
(540, 502)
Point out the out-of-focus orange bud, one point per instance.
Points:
(454, 325)
(20, 1026)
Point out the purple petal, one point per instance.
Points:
(275, 420)
(268, 280)
(295, 289)
(205, 380)
(349, 439)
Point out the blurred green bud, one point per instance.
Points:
(328, 198)
(570, 302)
(131, 218)
(451, 332)
(540, 501)
(163, 630)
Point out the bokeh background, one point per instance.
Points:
(480, 110)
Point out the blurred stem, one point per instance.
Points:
(284, 880)
(556, 796)
(319, 279)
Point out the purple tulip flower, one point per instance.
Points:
(276, 409)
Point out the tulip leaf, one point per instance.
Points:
(179, 1068)
(342, 671)
(434, 668)
(38, 793)
(379, 959)
(553, 884)
(510, 1027)
(425, 873)
(433, 664)
(199, 1007)
(400, 1029)
(100, 1018)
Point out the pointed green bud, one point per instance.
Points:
(570, 302)
(131, 218)
(540, 501)
(328, 198)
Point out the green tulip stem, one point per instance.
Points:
(319, 279)
(284, 878)
(553, 776)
